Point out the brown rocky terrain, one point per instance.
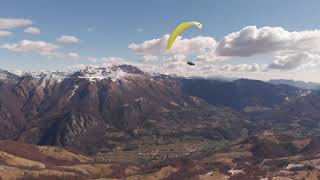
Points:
(266, 155)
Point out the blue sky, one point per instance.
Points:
(115, 24)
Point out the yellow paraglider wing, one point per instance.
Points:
(179, 29)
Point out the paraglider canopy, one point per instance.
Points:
(179, 29)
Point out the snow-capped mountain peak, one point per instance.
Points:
(113, 72)
(91, 73)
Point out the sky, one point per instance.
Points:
(253, 39)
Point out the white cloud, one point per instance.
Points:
(68, 39)
(32, 30)
(244, 67)
(108, 60)
(150, 58)
(90, 29)
(151, 47)
(72, 55)
(40, 47)
(75, 67)
(114, 61)
(5, 33)
(295, 61)
(290, 50)
(251, 40)
(9, 23)
(92, 59)
(197, 45)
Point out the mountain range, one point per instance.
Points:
(156, 126)
(299, 84)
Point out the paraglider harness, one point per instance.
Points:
(190, 63)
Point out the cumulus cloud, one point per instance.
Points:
(114, 61)
(251, 40)
(295, 61)
(68, 39)
(151, 47)
(196, 45)
(150, 58)
(32, 30)
(92, 59)
(244, 67)
(108, 60)
(9, 23)
(5, 33)
(39, 47)
(90, 29)
(72, 55)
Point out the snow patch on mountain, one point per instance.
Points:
(93, 73)
(305, 93)
(3, 76)
(73, 92)
(55, 75)
(51, 79)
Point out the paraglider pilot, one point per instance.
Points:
(190, 63)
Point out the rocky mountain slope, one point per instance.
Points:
(101, 109)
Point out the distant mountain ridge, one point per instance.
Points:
(299, 84)
(6, 75)
(240, 93)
